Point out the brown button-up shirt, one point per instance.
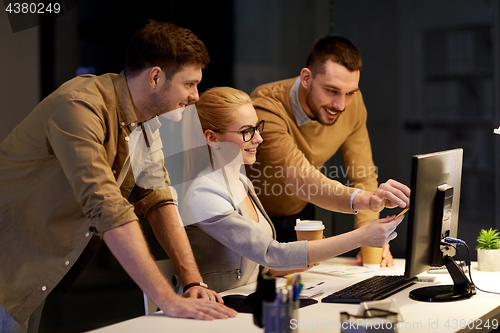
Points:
(58, 172)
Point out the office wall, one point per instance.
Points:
(19, 73)
(273, 38)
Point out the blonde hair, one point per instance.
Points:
(216, 107)
(215, 110)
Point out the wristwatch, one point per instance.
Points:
(201, 284)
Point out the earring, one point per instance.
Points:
(215, 146)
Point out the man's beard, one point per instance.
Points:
(157, 105)
(318, 114)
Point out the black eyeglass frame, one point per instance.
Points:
(243, 132)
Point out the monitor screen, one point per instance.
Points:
(433, 215)
(432, 174)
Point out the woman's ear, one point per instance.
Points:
(211, 139)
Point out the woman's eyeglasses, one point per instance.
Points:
(248, 133)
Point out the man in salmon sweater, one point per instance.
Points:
(307, 119)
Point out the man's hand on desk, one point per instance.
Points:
(390, 194)
(196, 308)
(202, 292)
(387, 258)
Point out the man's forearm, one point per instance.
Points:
(169, 230)
(128, 245)
(323, 192)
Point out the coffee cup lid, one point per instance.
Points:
(309, 225)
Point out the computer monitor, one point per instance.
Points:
(433, 215)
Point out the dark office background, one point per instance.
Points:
(430, 82)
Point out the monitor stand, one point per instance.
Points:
(462, 288)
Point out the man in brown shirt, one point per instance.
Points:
(66, 175)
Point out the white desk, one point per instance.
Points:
(324, 317)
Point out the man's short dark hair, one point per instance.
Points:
(164, 45)
(336, 49)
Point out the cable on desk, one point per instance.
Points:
(452, 240)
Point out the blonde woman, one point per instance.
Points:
(230, 233)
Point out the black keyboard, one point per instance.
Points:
(372, 289)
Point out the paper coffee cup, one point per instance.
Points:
(309, 230)
(372, 256)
